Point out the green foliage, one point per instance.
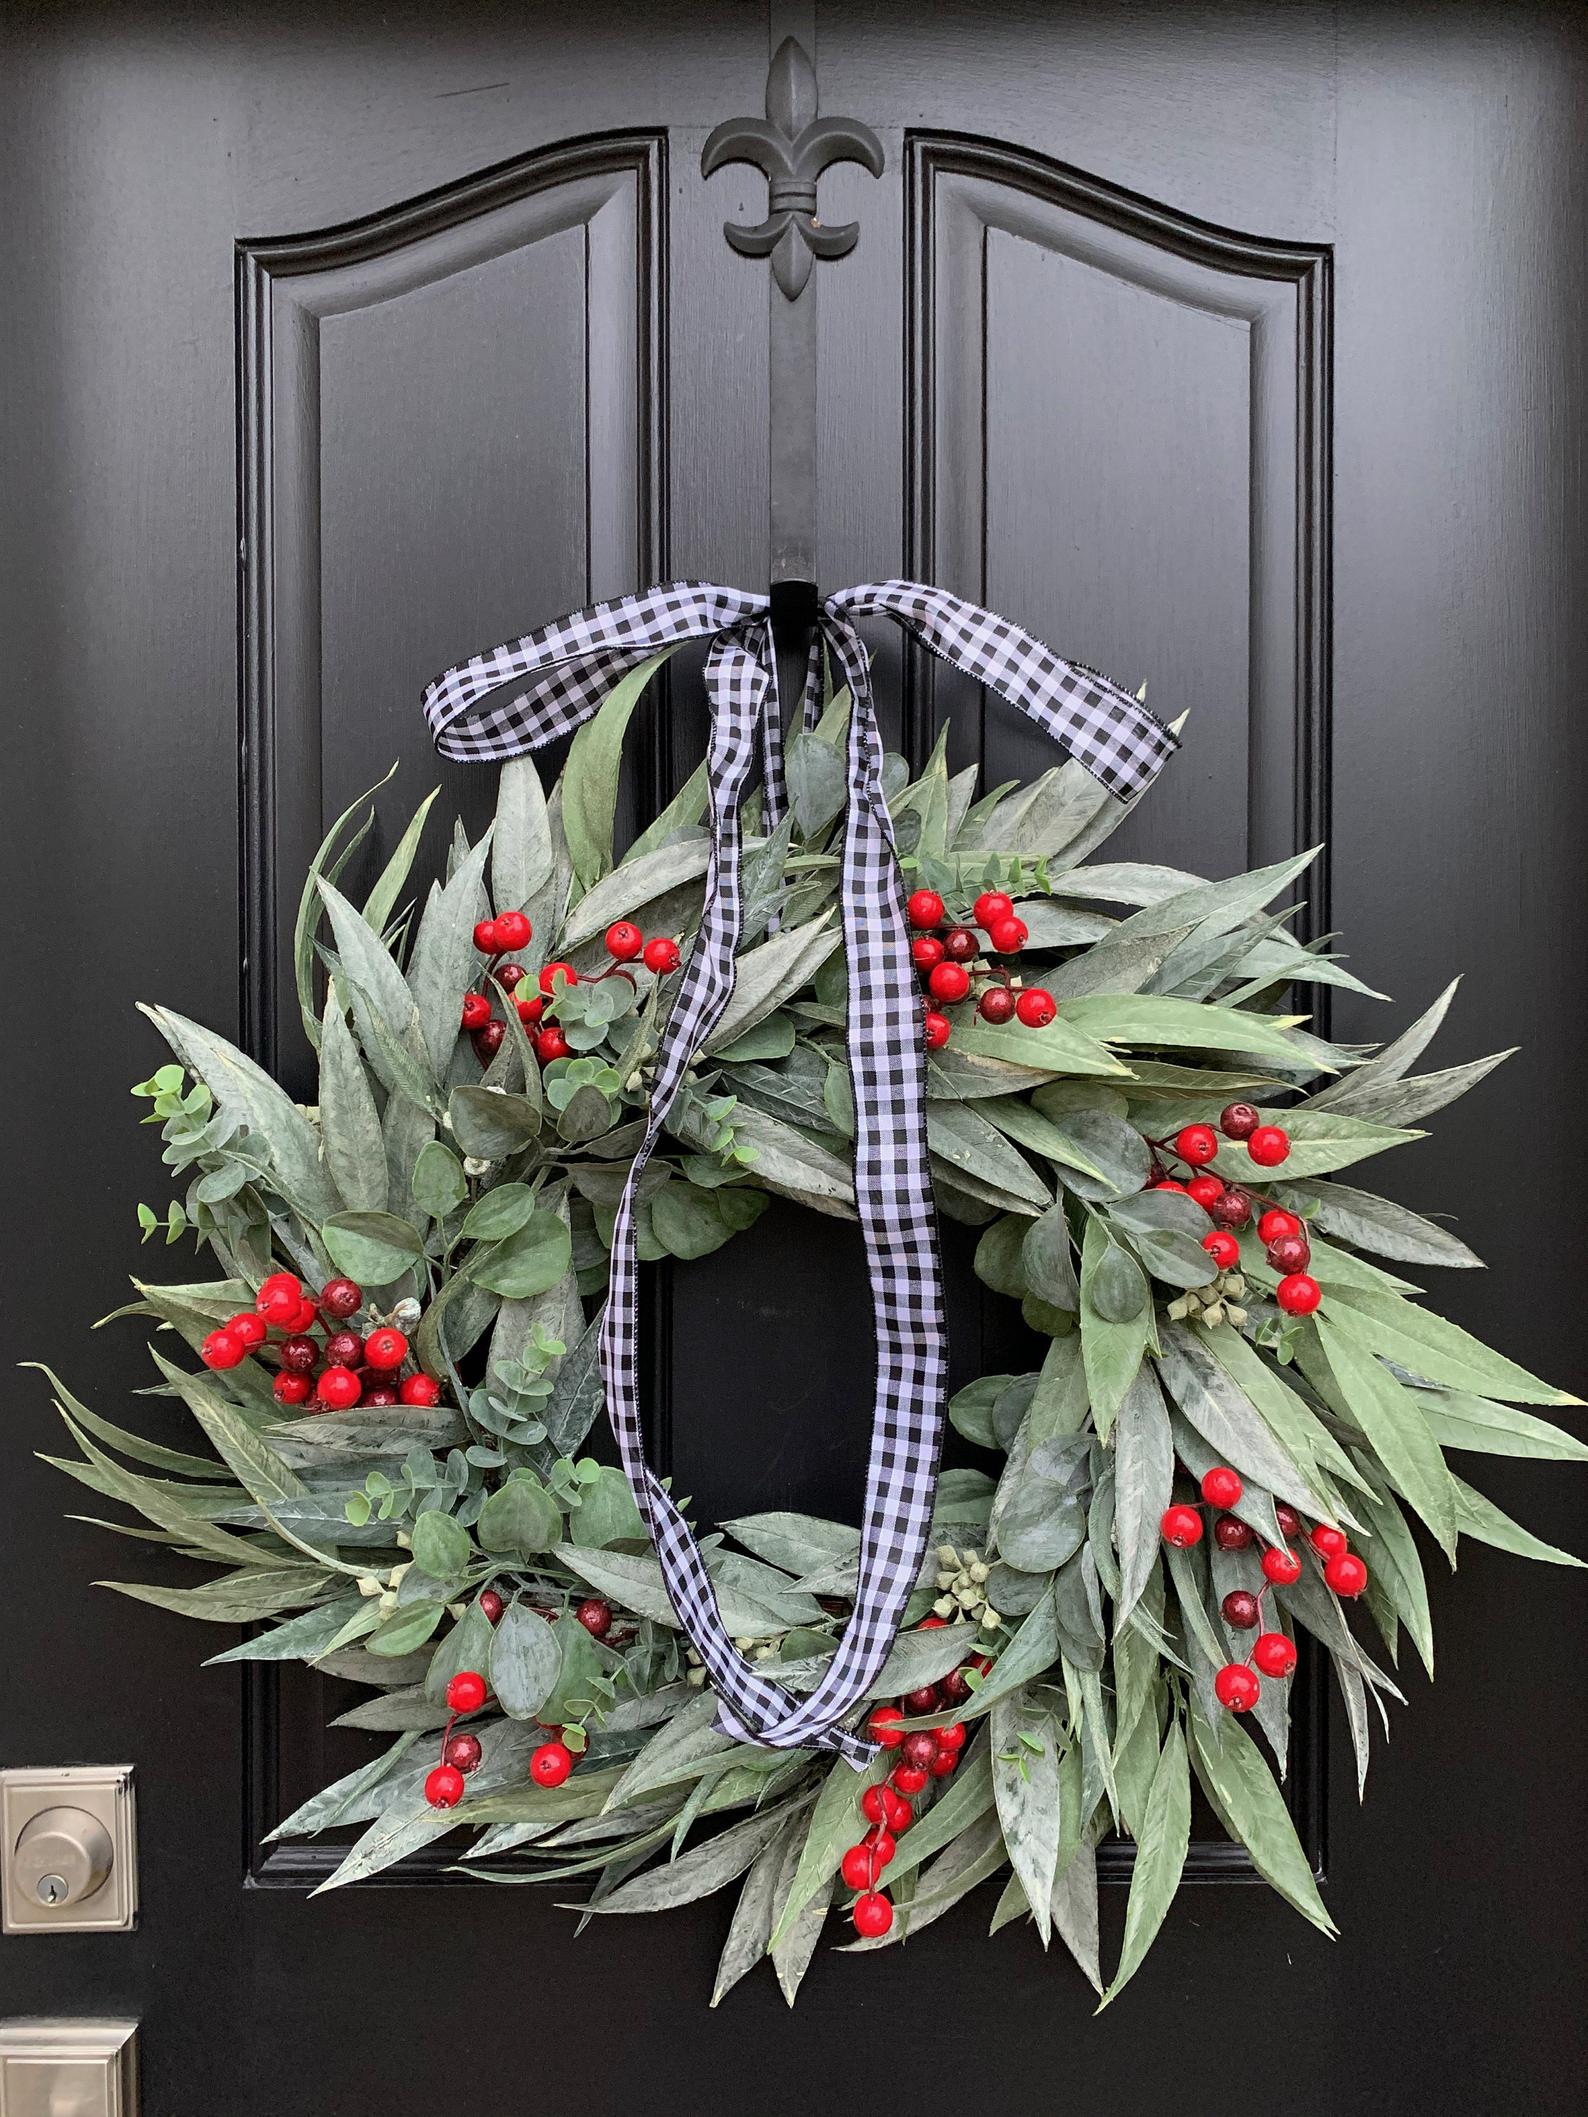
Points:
(474, 1202)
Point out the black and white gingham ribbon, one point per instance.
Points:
(524, 695)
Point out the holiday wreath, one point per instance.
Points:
(1239, 1409)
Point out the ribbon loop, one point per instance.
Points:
(566, 670)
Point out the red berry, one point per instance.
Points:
(341, 1298)
(884, 1726)
(555, 974)
(996, 1005)
(1346, 1574)
(900, 1814)
(859, 1867)
(1241, 1609)
(1232, 1208)
(530, 1011)
(485, 937)
(874, 1804)
(279, 1300)
(920, 1701)
(344, 1348)
(466, 1691)
(1288, 1519)
(487, 1042)
(919, 1749)
(1298, 1295)
(513, 930)
(1206, 1190)
(463, 1752)
(1008, 936)
(949, 981)
(1232, 1534)
(551, 1044)
(931, 1622)
(551, 1764)
(951, 1737)
(1236, 1687)
(873, 1915)
(289, 1388)
(1222, 1248)
(307, 1317)
(1281, 1566)
(1268, 1146)
(1181, 1526)
(1222, 1487)
(624, 941)
(250, 1327)
(1276, 1222)
(1290, 1253)
(1328, 1541)
(1196, 1144)
(510, 976)
(926, 908)
(300, 1356)
(1275, 1654)
(476, 1010)
(925, 950)
(386, 1349)
(1238, 1120)
(339, 1389)
(960, 945)
(882, 1843)
(595, 1615)
(992, 907)
(1036, 1008)
(420, 1389)
(661, 956)
(491, 1606)
(909, 1779)
(444, 1786)
(944, 1762)
(954, 1688)
(380, 1398)
(1169, 1184)
(222, 1348)
(936, 1029)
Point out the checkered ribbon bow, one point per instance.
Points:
(524, 695)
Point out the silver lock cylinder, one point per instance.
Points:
(63, 1856)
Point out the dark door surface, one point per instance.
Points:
(1234, 348)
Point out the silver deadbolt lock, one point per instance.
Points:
(63, 1856)
(68, 1861)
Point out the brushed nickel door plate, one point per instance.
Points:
(68, 1850)
(68, 2069)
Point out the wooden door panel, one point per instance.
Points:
(450, 432)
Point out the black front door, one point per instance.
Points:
(1233, 348)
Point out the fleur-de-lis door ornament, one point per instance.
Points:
(791, 146)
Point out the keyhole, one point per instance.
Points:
(52, 1889)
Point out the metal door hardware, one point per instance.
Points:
(68, 1850)
(68, 2069)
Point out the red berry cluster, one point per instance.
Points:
(1238, 1684)
(1230, 1206)
(948, 959)
(510, 930)
(924, 1755)
(346, 1369)
(460, 1754)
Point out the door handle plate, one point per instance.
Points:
(68, 2069)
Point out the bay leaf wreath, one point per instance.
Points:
(885, 997)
